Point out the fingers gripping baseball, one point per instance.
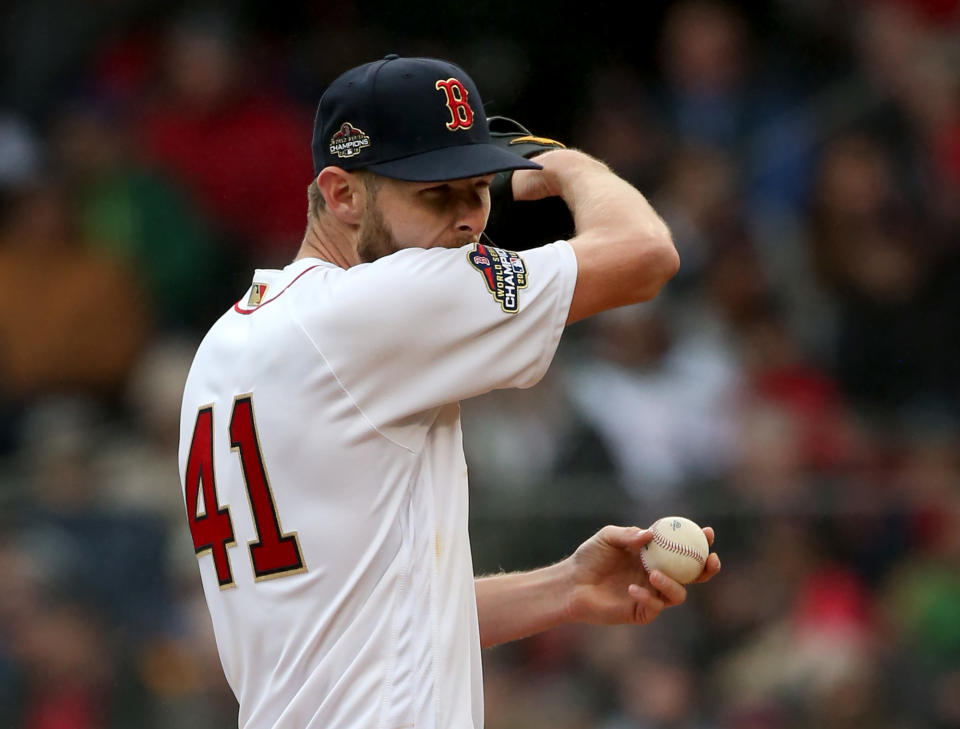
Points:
(661, 592)
(661, 588)
(625, 537)
(613, 587)
(712, 566)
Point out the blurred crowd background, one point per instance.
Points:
(797, 386)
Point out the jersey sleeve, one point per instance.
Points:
(423, 328)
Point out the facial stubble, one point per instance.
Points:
(376, 240)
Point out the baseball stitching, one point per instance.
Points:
(643, 561)
(662, 541)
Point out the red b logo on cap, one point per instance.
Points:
(460, 112)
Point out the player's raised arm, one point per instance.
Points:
(624, 250)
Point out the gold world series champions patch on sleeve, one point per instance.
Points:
(504, 272)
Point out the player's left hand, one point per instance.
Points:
(525, 211)
(609, 585)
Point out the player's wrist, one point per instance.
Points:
(568, 592)
(576, 175)
(569, 164)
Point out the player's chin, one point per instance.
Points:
(368, 253)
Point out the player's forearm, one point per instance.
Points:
(624, 250)
(516, 605)
(602, 202)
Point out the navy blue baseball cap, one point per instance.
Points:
(418, 119)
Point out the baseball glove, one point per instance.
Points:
(523, 225)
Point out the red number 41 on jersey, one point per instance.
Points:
(272, 553)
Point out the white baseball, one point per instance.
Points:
(679, 549)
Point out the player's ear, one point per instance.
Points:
(343, 193)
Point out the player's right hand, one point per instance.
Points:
(539, 184)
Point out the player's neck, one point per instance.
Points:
(329, 243)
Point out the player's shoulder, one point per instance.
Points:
(415, 267)
(405, 259)
(207, 346)
(408, 268)
(432, 275)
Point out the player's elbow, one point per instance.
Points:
(657, 261)
(622, 269)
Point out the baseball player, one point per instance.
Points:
(320, 452)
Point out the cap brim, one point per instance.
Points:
(453, 163)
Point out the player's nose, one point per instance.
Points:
(472, 216)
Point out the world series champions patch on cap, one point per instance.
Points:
(504, 272)
(416, 119)
(348, 141)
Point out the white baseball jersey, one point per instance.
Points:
(325, 482)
